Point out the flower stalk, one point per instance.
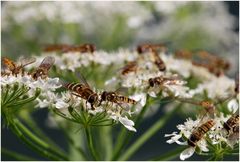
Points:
(148, 134)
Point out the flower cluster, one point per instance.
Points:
(142, 79)
(215, 135)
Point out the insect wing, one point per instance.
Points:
(129, 66)
(82, 79)
(47, 62)
(27, 61)
(122, 91)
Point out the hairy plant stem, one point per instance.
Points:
(148, 134)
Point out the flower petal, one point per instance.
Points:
(187, 153)
(233, 105)
(60, 105)
(140, 97)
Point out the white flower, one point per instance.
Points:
(127, 123)
(140, 97)
(233, 105)
(124, 120)
(186, 129)
(187, 153)
(217, 87)
(61, 105)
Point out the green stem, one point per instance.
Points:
(16, 156)
(169, 155)
(33, 125)
(71, 142)
(148, 134)
(106, 141)
(90, 143)
(123, 134)
(33, 146)
(37, 140)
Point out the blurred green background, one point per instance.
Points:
(27, 26)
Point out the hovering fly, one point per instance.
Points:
(199, 132)
(232, 124)
(83, 90)
(43, 68)
(16, 68)
(116, 97)
(64, 48)
(153, 49)
(81, 48)
(129, 67)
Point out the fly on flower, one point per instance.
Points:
(161, 80)
(214, 64)
(199, 132)
(183, 54)
(87, 47)
(44, 67)
(153, 49)
(232, 124)
(116, 97)
(129, 67)
(83, 90)
(15, 68)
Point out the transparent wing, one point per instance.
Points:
(82, 79)
(47, 62)
(130, 65)
(122, 91)
(27, 61)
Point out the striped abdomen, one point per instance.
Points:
(125, 99)
(76, 87)
(231, 123)
(200, 132)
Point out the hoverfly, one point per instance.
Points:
(13, 67)
(153, 49)
(81, 48)
(159, 81)
(214, 64)
(130, 67)
(83, 91)
(116, 97)
(43, 68)
(183, 54)
(70, 48)
(158, 61)
(232, 124)
(199, 132)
